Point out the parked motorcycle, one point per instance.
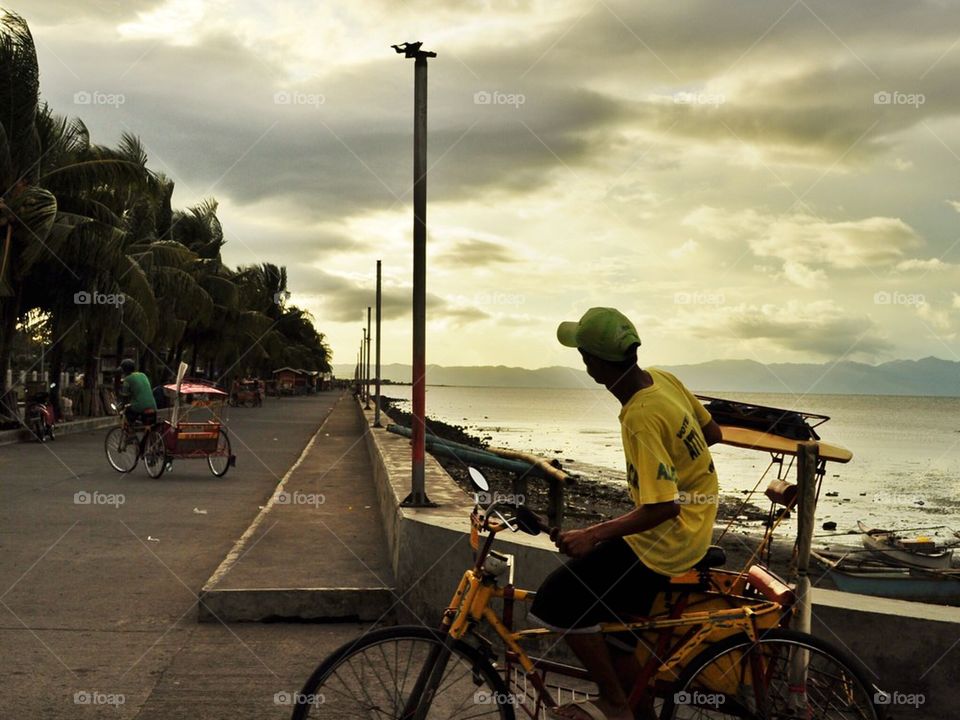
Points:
(40, 416)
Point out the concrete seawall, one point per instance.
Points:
(910, 650)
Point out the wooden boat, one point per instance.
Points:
(893, 549)
(855, 572)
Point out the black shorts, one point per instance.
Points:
(147, 417)
(593, 589)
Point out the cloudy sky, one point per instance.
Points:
(767, 180)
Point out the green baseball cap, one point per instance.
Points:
(603, 332)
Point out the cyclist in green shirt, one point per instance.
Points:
(136, 391)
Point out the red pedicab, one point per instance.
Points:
(179, 438)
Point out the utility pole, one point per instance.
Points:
(376, 412)
(367, 406)
(418, 495)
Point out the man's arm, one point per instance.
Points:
(577, 543)
(712, 433)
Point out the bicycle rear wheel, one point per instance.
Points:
(737, 678)
(219, 461)
(122, 451)
(375, 676)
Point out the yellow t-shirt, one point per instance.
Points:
(668, 459)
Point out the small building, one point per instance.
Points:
(290, 381)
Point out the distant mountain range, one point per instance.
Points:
(929, 376)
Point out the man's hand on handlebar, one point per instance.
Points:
(575, 543)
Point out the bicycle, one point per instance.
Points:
(126, 444)
(717, 644)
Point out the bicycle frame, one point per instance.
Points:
(470, 605)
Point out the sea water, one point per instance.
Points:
(905, 471)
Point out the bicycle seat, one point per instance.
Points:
(714, 557)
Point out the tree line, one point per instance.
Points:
(95, 262)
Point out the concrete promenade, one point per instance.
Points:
(317, 550)
(98, 602)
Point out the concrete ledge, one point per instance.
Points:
(903, 647)
(8, 437)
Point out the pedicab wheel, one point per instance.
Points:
(376, 675)
(737, 678)
(122, 452)
(154, 454)
(219, 461)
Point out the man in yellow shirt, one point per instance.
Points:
(620, 565)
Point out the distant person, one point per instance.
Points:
(619, 566)
(135, 391)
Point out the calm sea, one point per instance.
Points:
(905, 472)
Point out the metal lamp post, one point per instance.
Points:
(418, 495)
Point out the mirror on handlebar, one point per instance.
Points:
(478, 480)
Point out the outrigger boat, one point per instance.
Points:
(891, 548)
(852, 571)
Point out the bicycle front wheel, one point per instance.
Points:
(786, 674)
(122, 451)
(380, 675)
(154, 454)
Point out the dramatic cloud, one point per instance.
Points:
(678, 161)
(821, 329)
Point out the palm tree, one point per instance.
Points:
(26, 211)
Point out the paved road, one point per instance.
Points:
(100, 599)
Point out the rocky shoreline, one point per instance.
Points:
(600, 494)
